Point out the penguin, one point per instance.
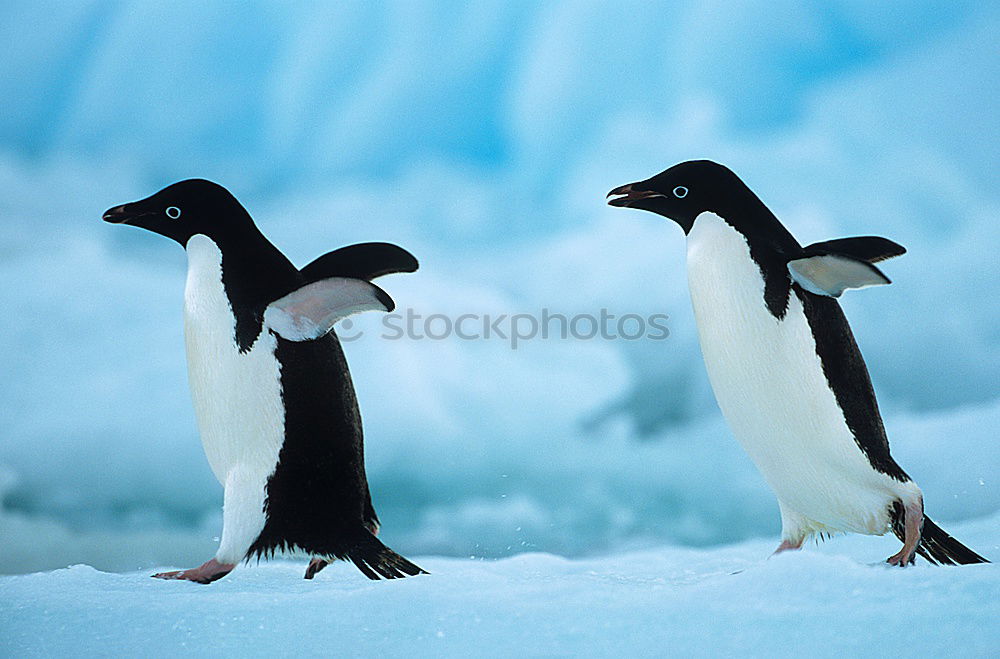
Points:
(784, 366)
(272, 394)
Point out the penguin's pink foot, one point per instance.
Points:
(787, 545)
(207, 572)
(902, 558)
(315, 565)
(913, 526)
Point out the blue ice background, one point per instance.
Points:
(483, 138)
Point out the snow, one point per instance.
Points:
(666, 601)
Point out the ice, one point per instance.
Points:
(584, 493)
(663, 601)
(483, 138)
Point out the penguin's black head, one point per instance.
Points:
(684, 191)
(184, 209)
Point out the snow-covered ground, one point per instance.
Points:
(665, 602)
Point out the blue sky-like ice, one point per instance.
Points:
(483, 138)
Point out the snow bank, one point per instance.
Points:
(677, 602)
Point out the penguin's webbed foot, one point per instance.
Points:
(788, 545)
(315, 565)
(206, 573)
(913, 525)
(901, 559)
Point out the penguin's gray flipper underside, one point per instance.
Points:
(362, 261)
(864, 248)
(832, 274)
(311, 311)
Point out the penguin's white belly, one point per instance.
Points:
(770, 386)
(237, 396)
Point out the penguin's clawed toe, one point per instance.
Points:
(206, 573)
(315, 565)
(902, 558)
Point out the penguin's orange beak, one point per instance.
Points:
(627, 195)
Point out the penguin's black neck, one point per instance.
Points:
(771, 246)
(763, 230)
(254, 274)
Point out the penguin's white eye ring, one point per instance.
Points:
(173, 212)
(680, 192)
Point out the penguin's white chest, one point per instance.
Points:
(237, 396)
(770, 386)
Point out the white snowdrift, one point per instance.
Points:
(669, 602)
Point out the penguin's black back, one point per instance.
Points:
(771, 246)
(847, 375)
(318, 498)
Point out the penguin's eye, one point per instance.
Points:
(173, 212)
(680, 192)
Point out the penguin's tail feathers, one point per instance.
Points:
(940, 548)
(376, 561)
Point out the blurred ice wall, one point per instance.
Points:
(482, 136)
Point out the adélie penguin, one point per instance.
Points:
(272, 394)
(783, 363)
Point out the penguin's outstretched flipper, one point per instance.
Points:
(871, 249)
(832, 274)
(376, 561)
(362, 261)
(311, 311)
